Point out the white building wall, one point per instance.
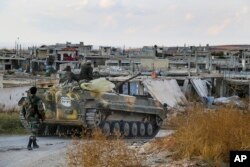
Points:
(10, 96)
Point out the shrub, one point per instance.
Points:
(100, 151)
(210, 134)
(10, 123)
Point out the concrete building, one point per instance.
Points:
(105, 50)
(10, 63)
(67, 54)
(148, 51)
(85, 50)
(154, 64)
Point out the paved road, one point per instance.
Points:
(52, 151)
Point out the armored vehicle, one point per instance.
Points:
(72, 107)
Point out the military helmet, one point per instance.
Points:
(67, 68)
(32, 90)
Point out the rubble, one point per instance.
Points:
(156, 158)
(229, 100)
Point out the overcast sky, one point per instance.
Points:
(125, 22)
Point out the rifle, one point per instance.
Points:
(34, 109)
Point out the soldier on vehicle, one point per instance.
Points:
(33, 111)
(86, 71)
(69, 76)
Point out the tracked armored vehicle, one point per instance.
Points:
(71, 108)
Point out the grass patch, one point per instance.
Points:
(10, 123)
(100, 151)
(209, 134)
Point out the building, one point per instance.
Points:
(105, 50)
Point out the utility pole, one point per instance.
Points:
(17, 48)
(196, 66)
(20, 52)
(15, 45)
(189, 59)
(123, 52)
(210, 62)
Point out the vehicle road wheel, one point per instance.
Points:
(116, 128)
(142, 129)
(126, 129)
(149, 129)
(134, 129)
(106, 128)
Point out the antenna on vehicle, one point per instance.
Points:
(35, 82)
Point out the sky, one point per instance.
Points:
(129, 23)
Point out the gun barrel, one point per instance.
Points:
(119, 84)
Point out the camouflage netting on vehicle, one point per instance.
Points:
(98, 85)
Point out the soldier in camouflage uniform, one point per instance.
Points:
(34, 113)
(69, 76)
(86, 72)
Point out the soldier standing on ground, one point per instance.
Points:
(86, 71)
(34, 113)
(69, 76)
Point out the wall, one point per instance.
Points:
(10, 97)
(1, 66)
(159, 64)
(1, 80)
(42, 54)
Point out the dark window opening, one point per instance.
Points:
(8, 67)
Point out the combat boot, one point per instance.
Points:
(29, 144)
(35, 145)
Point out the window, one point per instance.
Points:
(8, 67)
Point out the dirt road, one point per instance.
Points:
(52, 151)
(13, 152)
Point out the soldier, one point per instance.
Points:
(86, 71)
(34, 113)
(69, 76)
